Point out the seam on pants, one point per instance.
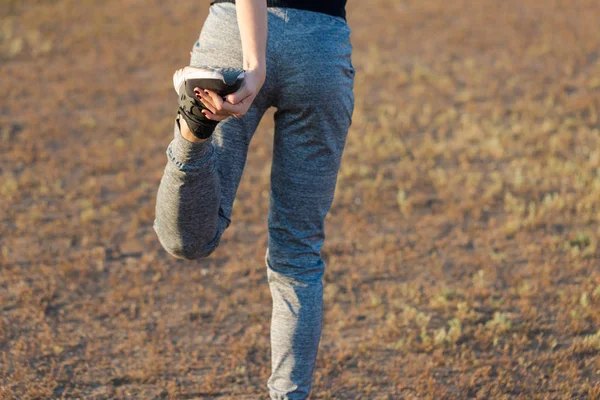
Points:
(278, 47)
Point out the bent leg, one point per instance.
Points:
(199, 184)
(200, 181)
(189, 195)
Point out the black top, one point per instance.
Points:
(332, 7)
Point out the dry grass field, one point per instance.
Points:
(462, 247)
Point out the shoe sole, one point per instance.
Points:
(223, 81)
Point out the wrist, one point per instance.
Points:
(257, 74)
(255, 65)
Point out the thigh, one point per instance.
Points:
(316, 98)
(314, 113)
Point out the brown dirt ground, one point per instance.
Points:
(462, 247)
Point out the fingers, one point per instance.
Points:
(218, 109)
(226, 108)
(206, 100)
(212, 113)
(214, 117)
(215, 100)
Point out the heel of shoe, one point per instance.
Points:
(202, 129)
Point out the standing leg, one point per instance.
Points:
(314, 113)
(200, 181)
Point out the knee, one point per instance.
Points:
(185, 251)
(189, 253)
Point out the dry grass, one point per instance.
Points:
(462, 252)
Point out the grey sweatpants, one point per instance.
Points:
(309, 81)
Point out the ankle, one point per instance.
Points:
(187, 133)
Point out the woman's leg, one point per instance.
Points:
(196, 193)
(314, 113)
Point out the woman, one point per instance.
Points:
(296, 57)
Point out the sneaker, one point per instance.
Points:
(223, 81)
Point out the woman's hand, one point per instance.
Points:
(235, 104)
